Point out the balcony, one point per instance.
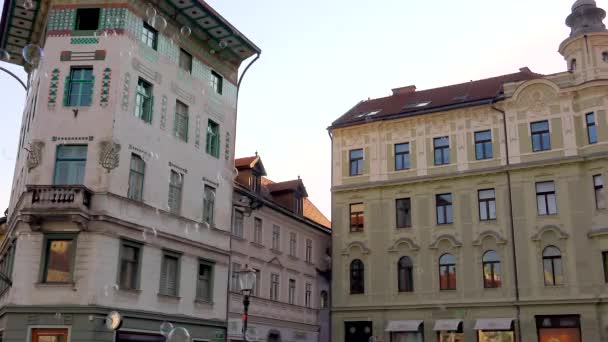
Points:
(263, 307)
(55, 202)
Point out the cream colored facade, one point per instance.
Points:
(578, 229)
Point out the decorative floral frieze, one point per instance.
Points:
(125, 92)
(163, 112)
(34, 156)
(109, 155)
(53, 88)
(105, 87)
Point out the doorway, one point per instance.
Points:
(358, 331)
(49, 335)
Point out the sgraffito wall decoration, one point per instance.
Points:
(125, 92)
(53, 88)
(163, 112)
(105, 87)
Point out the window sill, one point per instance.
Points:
(136, 291)
(276, 251)
(354, 176)
(402, 170)
(239, 238)
(170, 297)
(548, 215)
(357, 231)
(445, 224)
(403, 228)
(292, 257)
(200, 301)
(310, 263)
(491, 221)
(258, 245)
(67, 284)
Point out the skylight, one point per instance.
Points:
(369, 113)
(417, 104)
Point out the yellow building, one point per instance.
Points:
(476, 211)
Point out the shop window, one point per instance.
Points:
(562, 328)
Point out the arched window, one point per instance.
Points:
(572, 65)
(552, 266)
(404, 274)
(356, 277)
(324, 300)
(447, 272)
(605, 56)
(491, 270)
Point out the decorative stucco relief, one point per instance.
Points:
(34, 156)
(182, 93)
(109, 155)
(105, 87)
(125, 92)
(536, 98)
(163, 112)
(148, 72)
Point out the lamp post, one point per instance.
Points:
(247, 281)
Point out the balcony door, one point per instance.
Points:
(49, 335)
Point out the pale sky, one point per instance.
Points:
(319, 58)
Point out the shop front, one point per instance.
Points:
(495, 330)
(449, 330)
(405, 331)
(561, 328)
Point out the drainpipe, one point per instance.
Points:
(512, 225)
(331, 297)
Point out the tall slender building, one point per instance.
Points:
(477, 211)
(124, 177)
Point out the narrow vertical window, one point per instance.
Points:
(403, 212)
(356, 217)
(308, 295)
(136, 178)
(443, 203)
(70, 163)
(209, 205)
(483, 145)
(204, 284)
(237, 225)
(216, 82)
(274, 286)
(258, 279)
(552, 266)
(58, 259)
(545, 198)
(149, 36)
(175, 192)
(447, 272)
(491, 270)
(487, 204)
(308, 250)
(605, 264)
(169, 274)
(79, 87)
(324, 300)
(130, 254)
(235, 284)
(541, 139)
(213, 139)
(257, 230)
(402, 156)
(356, 162)
(143, 101)
(598, 187)
(276, 237)
(292, 291)
(405, 279)
(180, 124)
(591, 128)
(292, 244)
(185, 61)
(357, 277)
(441, 148)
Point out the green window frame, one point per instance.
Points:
(79, 87)
(70, 164)
(7, 262)
(216, 82)
(180, 124)
(144, 101)
(57, 274)
(204, 281)
(136, 178)
(213, 139)
(149, 36)
(170, 273)
(129, 265)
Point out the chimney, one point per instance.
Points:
(525, 70)
(404, 90)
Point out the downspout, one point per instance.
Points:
(512, 225)
(331, 297)
(238, 87)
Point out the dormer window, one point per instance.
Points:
(255, 183)
(298, 205)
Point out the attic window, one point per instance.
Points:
(417, 104)
(369, 113)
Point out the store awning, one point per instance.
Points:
(494, 324)
(447, 324)
(409, 325)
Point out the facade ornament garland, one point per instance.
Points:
(550, 228)
(448, 237)
(355, 244)
(409, 242)
(34, 156)
(489, 233)
(109, 155)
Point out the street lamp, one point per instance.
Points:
(247, 281)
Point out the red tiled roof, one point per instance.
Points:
(244, 162)
(288, 185)
(403, 104)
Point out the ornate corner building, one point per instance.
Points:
(477, 211)
(124, 177)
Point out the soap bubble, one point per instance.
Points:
(235, 173)
(187, 230)
(58, 316)
(179, 334)
(185, 31)
(207, 225)
(28, 4)
(223, 44)
(197, 227)
(212, 51)
(166, 328)
(106, 291)
(115, 287)
(150, 12)
(4, 55)
(158, 22)
(32, 54)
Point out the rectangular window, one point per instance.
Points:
(149, 36)
(79, 87)
(292, 244)
(257, 230)
(136, 178)
(605, 263)
(276, 237)
(209, 205)
(70, 163)
(308, 295)
(483, 145)
(143, 101)
(443, 203)
(356, 217)
(130, 262)
(58, 258)
(441, 147)
(235, 276)
(87, 19)
(541, 139)
(487, 204)
(213, 139)
(258, 279)
(185, 61)
(598, 187)
(216, 82)
(591, 128)
(356, 162)
(545, 198)
(402, 156)
(308, 250)
(7, 261)
(169, 274)
(204, 284)
(274, 286)
(292, 291)
(180, 125)
(403, 212)
(176, 181)
(237, 226)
